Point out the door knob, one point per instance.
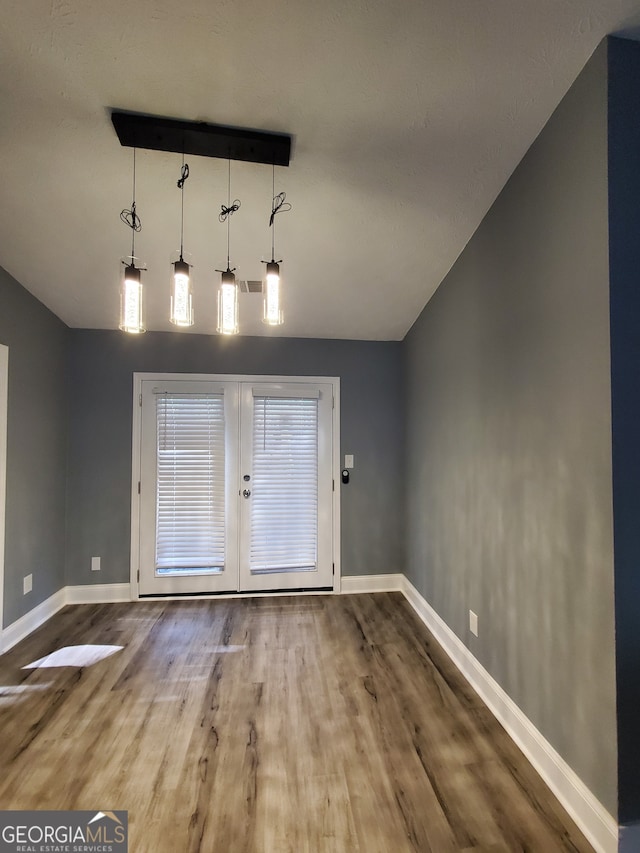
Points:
(246, 492)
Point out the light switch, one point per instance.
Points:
(473, 622)
(348, 460)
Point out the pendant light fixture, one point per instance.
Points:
(158, 133)
(228, 289)
(131, 288)
(272, 306)
(181, 293)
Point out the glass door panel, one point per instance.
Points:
(285, 512)
(188, 502)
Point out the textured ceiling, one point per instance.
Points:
(408, 116)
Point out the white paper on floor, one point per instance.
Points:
(74, 656)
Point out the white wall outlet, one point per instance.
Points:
(95, 564)
(473, 622)
(27, 584)
(348, 460)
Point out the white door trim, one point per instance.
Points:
(4, 389)
(136, 454)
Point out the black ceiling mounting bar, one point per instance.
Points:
(205, 140)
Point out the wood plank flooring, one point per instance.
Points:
(325, 724)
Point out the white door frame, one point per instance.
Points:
(4, 389)
(136, 457)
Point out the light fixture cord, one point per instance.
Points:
(272, 220)
(184, 174)
(227, 212)
(130, 217)
(279, 205)
(229, 216)
(133, 209)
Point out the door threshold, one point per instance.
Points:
(248, 593)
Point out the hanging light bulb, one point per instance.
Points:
(181, 296)
(228, 289)
(181, 293)
(228, 304)
(131, 300)
(272, 312)
(131, 289)
(272, 309)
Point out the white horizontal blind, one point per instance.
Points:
(284, 494)
(190, 516)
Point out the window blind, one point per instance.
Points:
(284, 495)
(190, 516)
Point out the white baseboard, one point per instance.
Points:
(372, 583)
(28, 623)
(594, 820)
(98, 593)
(103, 593)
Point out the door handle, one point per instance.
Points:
(246, 492)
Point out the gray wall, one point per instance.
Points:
(624, 230)
(36, 448)
(101, 367)
(509, 494)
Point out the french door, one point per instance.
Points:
(236, 485)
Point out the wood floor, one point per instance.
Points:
(324, 724)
